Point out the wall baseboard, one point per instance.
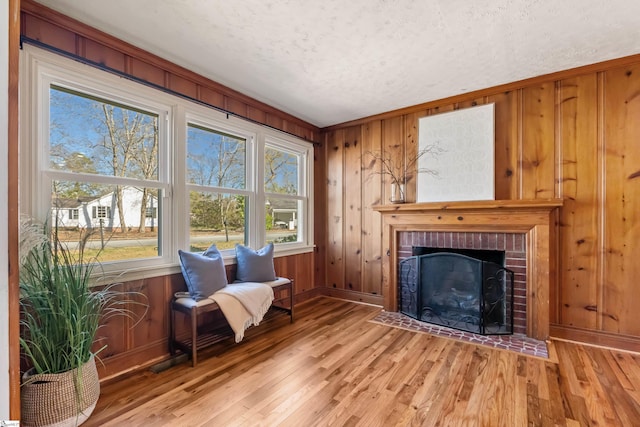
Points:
(134, 360)
(596, 338)
(352, 296)
(307, 295)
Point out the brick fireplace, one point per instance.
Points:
(513, 245)
(526, 229)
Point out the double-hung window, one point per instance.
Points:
(219, 185)
(99, 156)
(131, 174)
(285, 192)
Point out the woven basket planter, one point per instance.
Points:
(59, 400)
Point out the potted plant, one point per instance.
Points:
(401, 170)
(60, 316)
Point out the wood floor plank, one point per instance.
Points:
(334, 367)
(598, 404)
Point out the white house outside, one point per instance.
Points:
(85, 212)
(284, 212)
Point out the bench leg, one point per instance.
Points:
(172, 328)
(194, 336)
(291, 301)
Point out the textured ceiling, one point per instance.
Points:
(331, 61)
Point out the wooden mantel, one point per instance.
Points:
(537, 219)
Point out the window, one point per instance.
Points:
(283, 181)
(100, 212)
(140, 173)
(217, 184)
(100, 149)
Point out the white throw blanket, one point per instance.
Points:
(244, 304)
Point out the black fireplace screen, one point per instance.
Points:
(457, 291)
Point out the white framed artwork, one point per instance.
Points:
(463, 166)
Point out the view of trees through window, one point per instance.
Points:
(216, 173)
(216, 166)
(281, 177)
(130, 174)
(90, 139)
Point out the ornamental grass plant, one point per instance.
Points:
(60, 312)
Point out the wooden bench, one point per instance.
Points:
(195, 309)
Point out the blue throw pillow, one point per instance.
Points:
(255, 266)
(203, 272)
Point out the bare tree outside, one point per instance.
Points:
(281, 180)
(280, 172)
(93, 136)
(130, 135)
(215, 159)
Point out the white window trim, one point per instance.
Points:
(39, 68)
(201, 116)
(305, 154)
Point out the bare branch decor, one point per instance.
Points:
(403, 170)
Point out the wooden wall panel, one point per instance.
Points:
(507, 155)
(238, 107)
(538, 136)
(371, 220)
(621, 295)
(212, 97)
(256, 114)
(411, 142)
(148, 324)
(36, 28)
(149, 73)
(335, 210)
(352, 209)
(392, 148)
(320, 187)
(574, 136)
(113, 333)
(579, 242)
(104, 56)
(182, 86)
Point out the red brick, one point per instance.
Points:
(518, 242)
(516, 254)
(517, 262)
(492, 240)
(468, 240)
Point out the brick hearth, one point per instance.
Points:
(513, 244)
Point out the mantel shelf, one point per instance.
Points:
(476, 205)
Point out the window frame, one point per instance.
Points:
(201, 119)
(303, 188)
(40, 68)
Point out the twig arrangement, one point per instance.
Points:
(401, 170)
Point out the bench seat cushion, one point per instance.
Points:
(190, 302)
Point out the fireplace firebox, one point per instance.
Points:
(458, 290)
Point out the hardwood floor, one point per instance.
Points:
(333, 367)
